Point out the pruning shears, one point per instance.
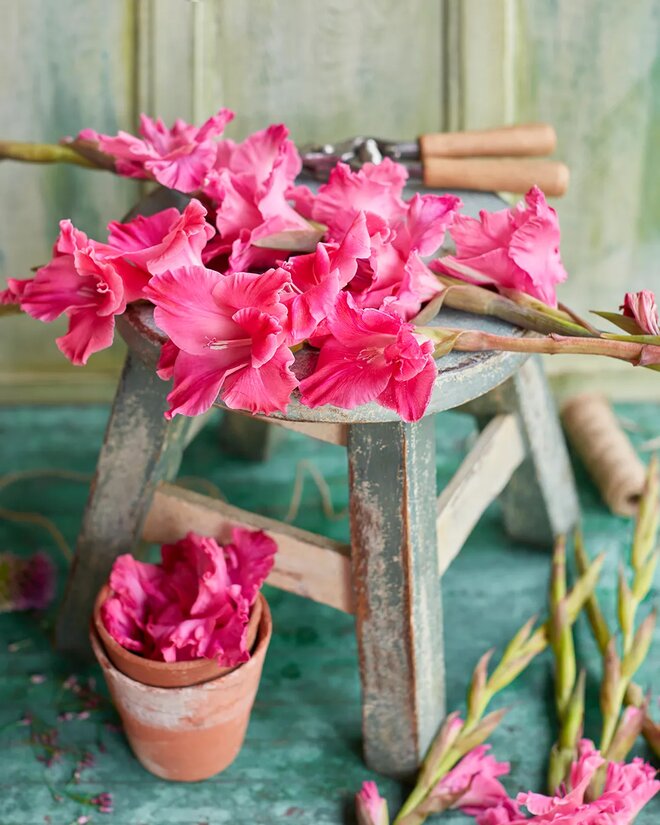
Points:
(506, 159)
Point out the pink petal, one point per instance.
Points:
(410, 398)
(55, 289)
(88, 333)
(343, 379)
(251, 556)
(185, 294)
(429, 217)
(141, 232)
(184, 172)
(265, 389)
(197, 382)
(374, 188)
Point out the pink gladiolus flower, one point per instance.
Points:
(249, 185)
(180, 157)
(371, 355)
(628, 788)
(514, 248)
(394, 276)
(370, 806)
(316, 279)
(473, 785)
(195, 603)
(643, 308)
(84, 285)
(235, 345)
(375, 189)
(167, 240)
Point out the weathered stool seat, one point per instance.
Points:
(403, 536)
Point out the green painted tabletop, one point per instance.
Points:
(301, 762)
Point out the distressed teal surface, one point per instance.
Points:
(301, 761)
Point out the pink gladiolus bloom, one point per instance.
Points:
(370, 806)
(394, 277)
(643, 308)
(195, 603)
(316, 279)
(179, 158)
(167, 240)
(375, 189)
(473, 785)
(235, 345)
(82, 283)
(249, 185)
(514, 248)
(628, 788)
(371, 355)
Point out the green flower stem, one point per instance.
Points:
(10, 309)
(618, 686)
(569, 694)
(477, 341)
(520, 651)
(42, 153)
(479, 301)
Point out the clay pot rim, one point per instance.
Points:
(154, 665)
(264, 632)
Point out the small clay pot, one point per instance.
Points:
(186, 734)
(165, 674)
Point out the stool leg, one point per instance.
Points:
(397, 590)
(140, 449)
(540, 502)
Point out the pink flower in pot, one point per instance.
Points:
(182, 645)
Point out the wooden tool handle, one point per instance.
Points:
(524, 140)
(496, 174)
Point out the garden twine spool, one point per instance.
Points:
(606, 451)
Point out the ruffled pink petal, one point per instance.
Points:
(410, 398)
(141, 232)
(204, 592)
(186, 294)
(374, 188)
(121, 625)
(250, 558)
(165, 241)
(55, 289)
(257, 154)
(88, 333)
(343, 378)
(198, 379)
(302, 198)
(15, 290)
(215, 125)
(428, 218)
(184, 172)
(247, 289)
(262, 331)
(265, 389)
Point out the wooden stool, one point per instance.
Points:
(403, 536)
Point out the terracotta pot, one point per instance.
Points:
(188, 733)
(165, 674)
